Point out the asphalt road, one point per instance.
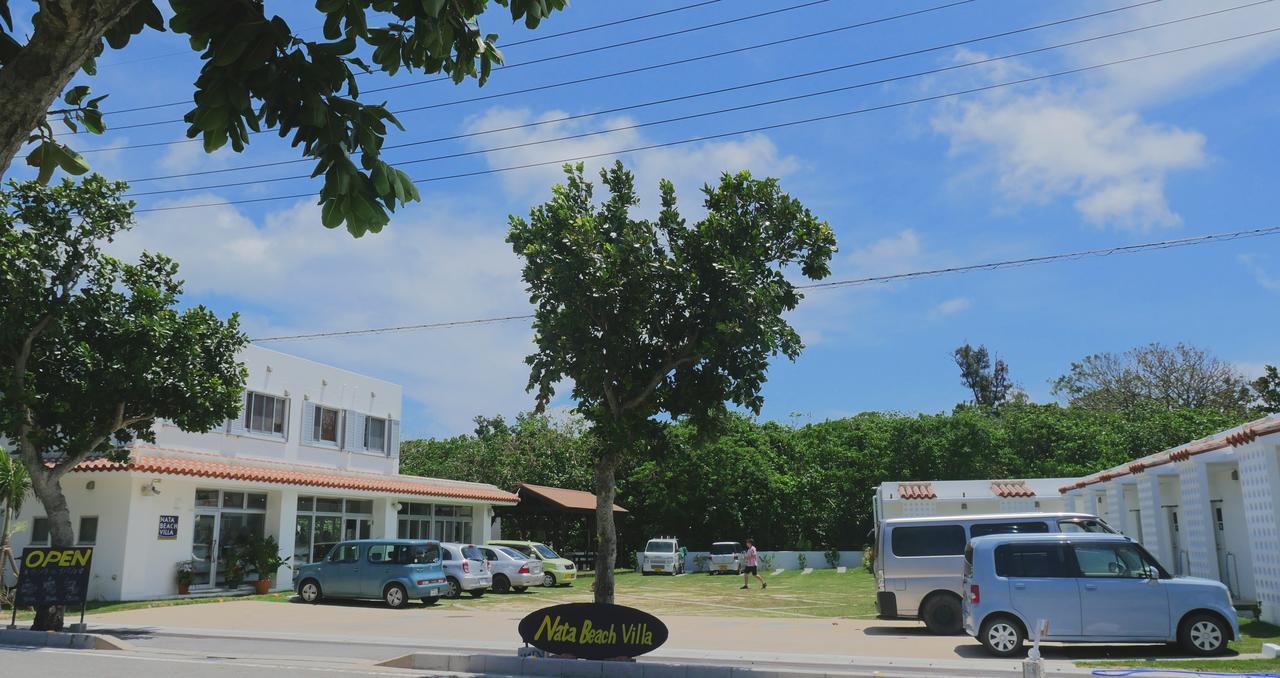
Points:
(108, 664)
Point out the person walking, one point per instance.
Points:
(752, 568)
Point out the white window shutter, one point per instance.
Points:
(236, 426)
(355, 430)
(393, 437)
(308, 421)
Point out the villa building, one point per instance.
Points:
(312, 460)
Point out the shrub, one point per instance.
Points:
(767, 561)
(868, 560)
(833, 557)
(804, 560)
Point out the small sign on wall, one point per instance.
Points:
(168, 527)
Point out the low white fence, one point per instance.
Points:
(774, 560)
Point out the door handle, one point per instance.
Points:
(1091, 587)
(1019, 586)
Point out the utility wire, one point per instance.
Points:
(553, 57)
(690, 116)
(853, 282)
(758, 83)
(578, 81)
(762, 128)
(504, 45)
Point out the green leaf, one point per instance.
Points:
(70, 161)
(76, 94)
(92, 120)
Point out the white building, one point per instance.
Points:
(313, 460)
(1209, 508)
(914, 499)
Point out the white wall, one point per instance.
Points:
(911, 508)
(300, 381)
(786, 560)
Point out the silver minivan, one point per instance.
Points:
(919, 562)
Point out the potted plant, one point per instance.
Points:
(185, 575)
(264, 554)
(235, 573)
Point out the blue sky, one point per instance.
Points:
(1156, 149)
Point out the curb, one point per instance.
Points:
(66, 641)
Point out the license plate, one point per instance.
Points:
(657, 568)
(724, 567)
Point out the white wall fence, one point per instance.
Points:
(786, 560)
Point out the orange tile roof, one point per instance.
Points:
(573, 499)
(1012, 488)
(205, 465)
(916, 491)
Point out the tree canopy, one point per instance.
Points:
(1155, 375)
(660, 317)
(988, 383)
(93, 349)
(258, 74)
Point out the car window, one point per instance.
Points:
(487, 553)
(417, 554)
(472, 553)
(928, 540)
(345, 553)
(660, 547)
(382, 553)
(1031, 561)
(446, 554)
(724, 549)
(545, 552)
(1123, 561)
(513, 553)
(1027, 527)
(1077, 525)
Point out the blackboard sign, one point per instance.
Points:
(168, 527)
(54, 576)
(593, 631)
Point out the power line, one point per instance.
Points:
(854, 282)
(762, 128)
(504, 45)
(553, 57)
(758, 83)
(692, 116)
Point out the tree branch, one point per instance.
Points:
(657, 379)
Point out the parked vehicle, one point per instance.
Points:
(555, 570)
(727, 557)
(511, 569)
(662, 556)
(465, 569)
(1088, 588)
(395, 570)
(919, 561)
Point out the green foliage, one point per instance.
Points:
(263, 554)
(803, 560)
(832, 556)
(258, 73)
(1155, 375)
(1266, 390)
(989, 383)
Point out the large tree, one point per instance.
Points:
(92, 349)
(660, 317)
(1266, 390)
(258, 74)
(1155, 375)
(989, 383)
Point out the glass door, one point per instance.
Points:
(203, 547)
(356, 528)
(234, 530)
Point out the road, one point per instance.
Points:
(109, 664)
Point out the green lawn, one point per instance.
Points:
(1252, 635)
(100, 607)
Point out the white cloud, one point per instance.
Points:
(1256, 265)
(437, 262)
(687, 166)
(951, 307)
(1085, 139)
(901, 252)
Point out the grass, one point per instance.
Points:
(1252, 635)
(824, 593)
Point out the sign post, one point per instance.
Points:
(54, 576)
(593, 631)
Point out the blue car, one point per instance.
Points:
(1093, 588)
(395, 570)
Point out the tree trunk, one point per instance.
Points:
(67, 32)
(48, 489)
(606, 531)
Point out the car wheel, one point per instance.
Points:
(1203, 634)
(548, 580)
(476, 593)
(309, 591)
(520, 589)
(430, 600)
(395, 596)
(942, 614)
(1002, 636)
(455, 589)
(501, 584)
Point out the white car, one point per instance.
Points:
(727, 557)
(662, 556)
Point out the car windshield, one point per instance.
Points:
(545, 552)
(472, 553)
(660, 547)
(512, 552)
(725, 549)
(1085, 525)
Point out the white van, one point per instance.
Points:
(919, 562)
(662, 556)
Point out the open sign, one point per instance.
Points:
(593, 630)
(54, 576)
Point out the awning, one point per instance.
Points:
(535, 497)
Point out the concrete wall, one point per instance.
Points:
(787, 560)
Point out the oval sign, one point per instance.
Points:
(593, 630)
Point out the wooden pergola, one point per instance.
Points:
(551, 514)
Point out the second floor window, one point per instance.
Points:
(265, 414)
(326, 426)
(375, 434)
